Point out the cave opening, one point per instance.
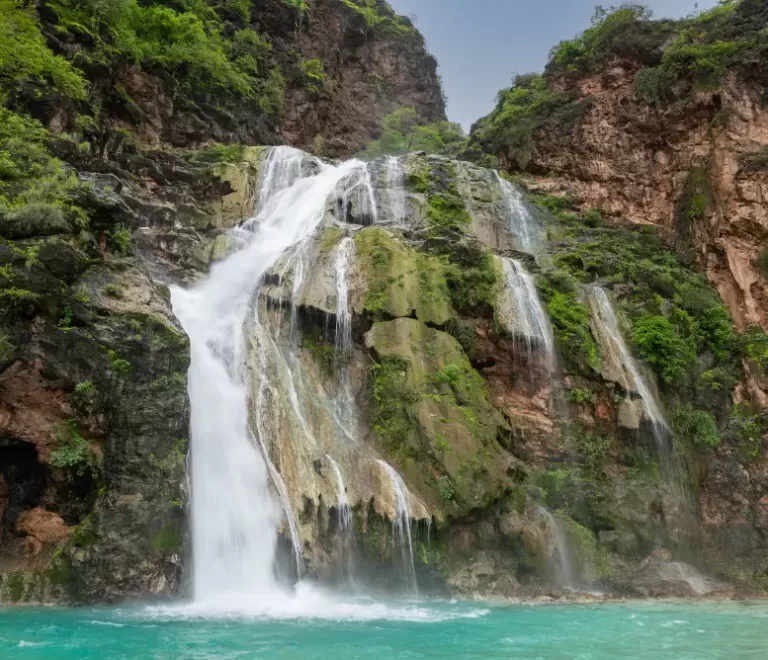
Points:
(22, 482)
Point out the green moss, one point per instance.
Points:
(85, 535)
(321, 350)
(392, 395)
(570, 321)
(591, 556)
(167, 539)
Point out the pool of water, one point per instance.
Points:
(416, 629)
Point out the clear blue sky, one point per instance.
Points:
(481, 43)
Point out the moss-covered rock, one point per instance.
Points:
(431, 408)
(399, 280)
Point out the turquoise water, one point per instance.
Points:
(652, 630)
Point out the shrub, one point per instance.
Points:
(404, 131)
(658, 342)
(73, 453)
(699, 426)
(25, 58)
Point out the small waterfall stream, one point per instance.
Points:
(345, 525)
(530, 321)
(395, 180)
(562, 559)
(613, 345)
(402, 522)
(345, 408)
(521, 224)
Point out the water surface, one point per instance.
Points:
(365, 629)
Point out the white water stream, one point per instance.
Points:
(402, 522)
(396, 188)
(521, 223)
(345, 525)
(613, 345)
(562, 559)
(530, 321)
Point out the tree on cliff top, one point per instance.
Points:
(404, 130)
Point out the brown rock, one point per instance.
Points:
(41, 527)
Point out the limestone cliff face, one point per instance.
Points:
(632, 161)
(371, 72)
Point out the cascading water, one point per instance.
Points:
(395, 179)
(234, 519)
(612, 344)
(283, 169)
(521, 224)
(529, 322)
(345, 525)
(358, 202)
(562, 560)
(344, 403)
(402, 522)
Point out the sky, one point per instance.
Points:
(480, 44)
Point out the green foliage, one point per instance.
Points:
(577, 395)
(121, 241)
(321, 350)
(593, 449)
(27, 62)
(441, 444)
(84, 387)
(379, 16)
(37, 194)
(611, 27)
(570, 320)
(754, 344)
(404, 130)
(450, 375)
(118, 364)
(696, 425)
(73, 453)
(522, 109)
(659, 343)
(747, 426)
(313, 75)
(445, 489)
(188, 40)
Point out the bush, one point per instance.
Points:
(25, 58)
(613, 29)
(404, 131)
(658, 342)
(73, 452)
(699, 426)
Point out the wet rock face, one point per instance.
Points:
(637, 163)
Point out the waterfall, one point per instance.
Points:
(358, 202)
(345, 408)
(530, 322)
(234, 517)
(521, 224)
(395, 173)
(283, 168)
(563, 561)
(345, 525)
(613, 347)
(402, 522)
